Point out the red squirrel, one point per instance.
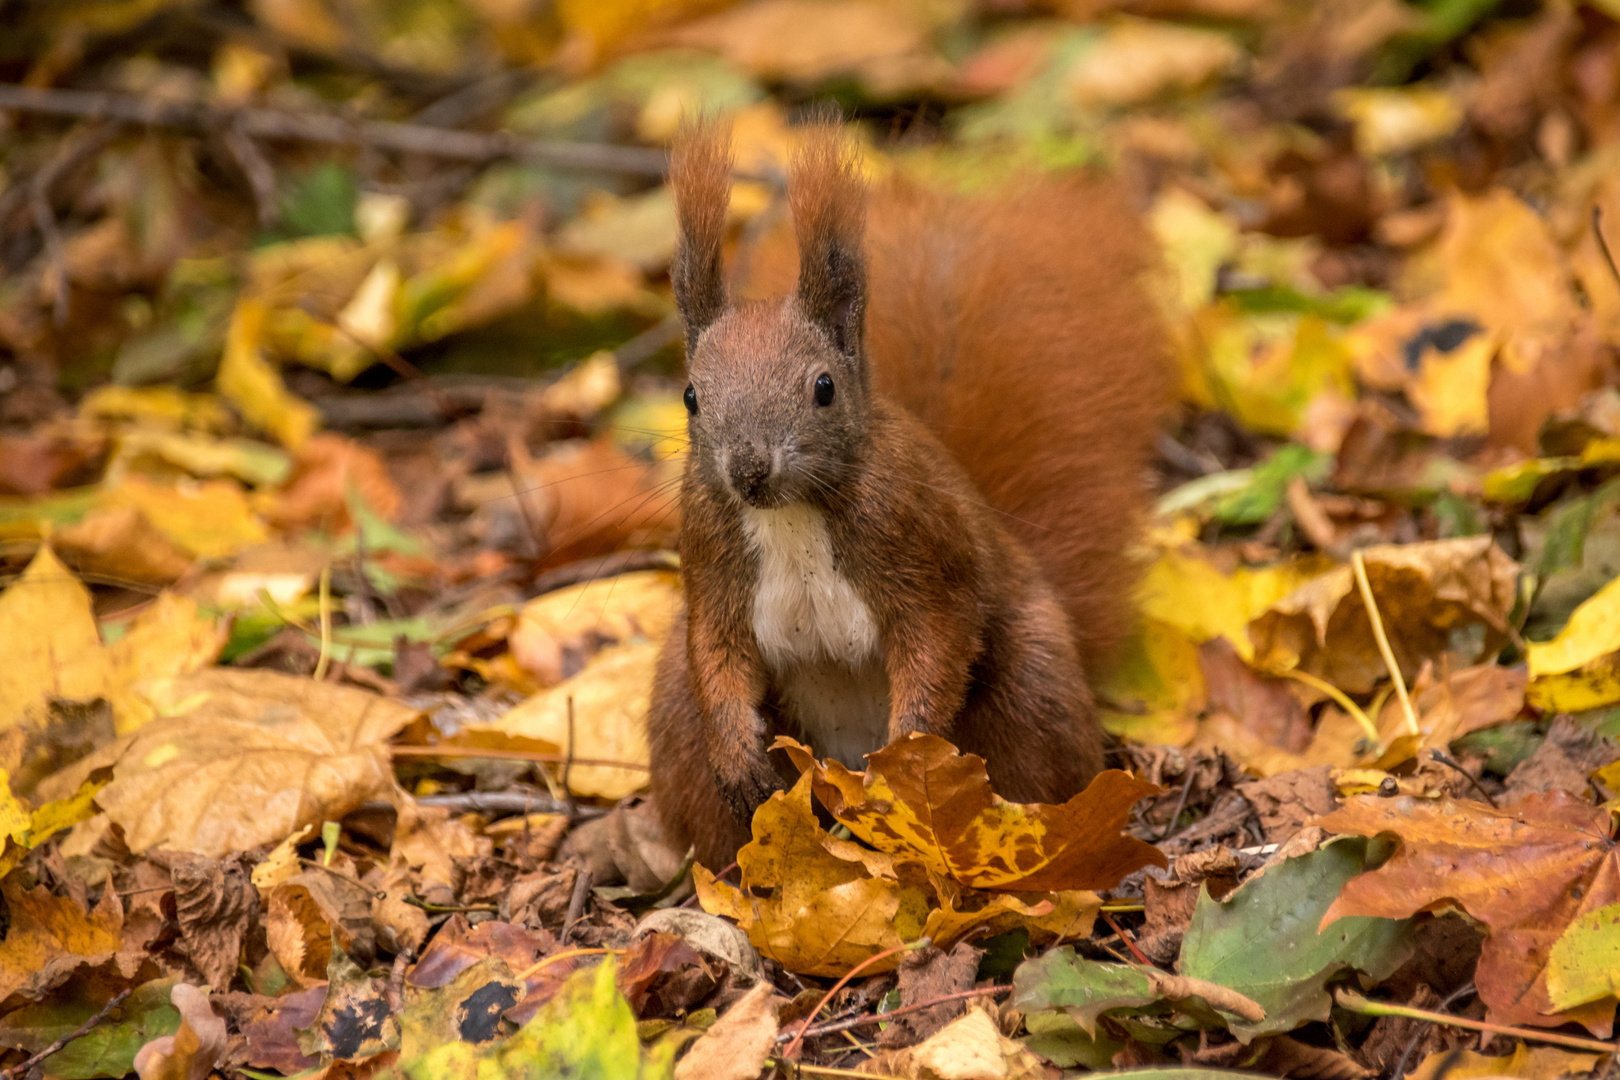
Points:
(909, 484)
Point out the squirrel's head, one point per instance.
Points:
(778, 399)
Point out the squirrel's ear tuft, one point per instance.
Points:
(828, 199)
(700, 172)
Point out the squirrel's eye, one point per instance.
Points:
(824, 390)
(691, 399)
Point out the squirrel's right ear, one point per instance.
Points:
(700, 171)
(828, 199)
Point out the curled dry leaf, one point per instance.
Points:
(1527, 873)
(832, 903)
(1424, 592)
(557, 633)
(971, 1048)
(216, 906)
(50, 937)
(736, 1047)
(922, 799)
(242, 758)
(190, 1053)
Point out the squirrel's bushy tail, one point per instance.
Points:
(1018, 326)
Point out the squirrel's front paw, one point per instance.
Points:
(746, 780)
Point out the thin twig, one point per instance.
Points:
(261, 177)
(448, 909)
(558, 957)
(1360, 566)
(1129, 944)
(1181, 803)
(795, 1068)
(646, 344)
(393, 360)
(832, 1027)
(507, 755)
(792, 1048)
(1451, 999)
(1603, 245)
(375, 894)
(1451, 763)
(576, 904)
(55, 251)
(497, 802)
(1354, 1002)
(604, 566)
(81, 1030)
(322, 128)
(568, 758)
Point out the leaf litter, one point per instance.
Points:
(336, 494)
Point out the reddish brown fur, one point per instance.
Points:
(1015, 330)
(1016, 326)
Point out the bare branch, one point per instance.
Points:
(322, 128)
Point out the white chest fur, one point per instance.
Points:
(817, 635)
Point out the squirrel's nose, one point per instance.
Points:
(750, 471)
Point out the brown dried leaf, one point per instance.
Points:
(1424, 591)
(590, 498)
(736, 1047)
(49, 937)
(190, 1053)
(1525, 872)
(216, 906)
(242, 758)
(924, 800)
(832, 903)
(969, 1048)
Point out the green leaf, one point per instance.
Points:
(320, 202)
(1268, 485)
(1083, 989)
(1568, 526)
(586, 1030)
(1058, 1038)
(108, 1050)
(1351, 304)
(1262, 941)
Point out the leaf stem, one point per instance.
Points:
(1354, 1002)
(829, 1070)
(1340, 698)
(1129, 944)
(326, 625)
(1360, 566)
(793, 1047)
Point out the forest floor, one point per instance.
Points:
(340, 420)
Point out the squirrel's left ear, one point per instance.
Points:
(700, 172)
(828, 199)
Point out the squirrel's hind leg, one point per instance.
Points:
(1029, 711)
